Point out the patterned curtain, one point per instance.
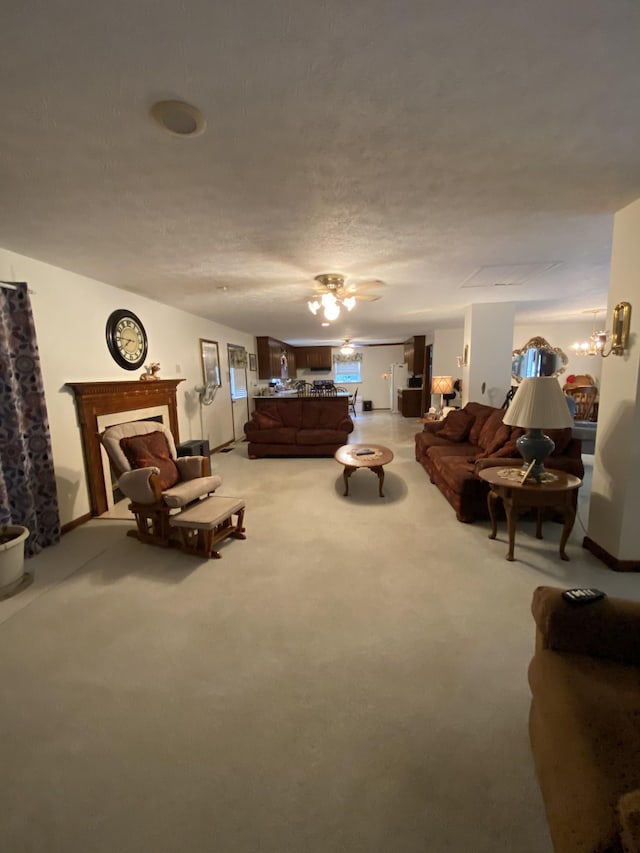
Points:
(27, 483)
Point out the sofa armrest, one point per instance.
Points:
(142, 485)
(345, 425)
(192, 467)
(609, 628)
(433, 426)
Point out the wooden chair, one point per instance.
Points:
(585, 398)
(352, 402)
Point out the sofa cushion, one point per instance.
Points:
(321, 436)
(291, 413)
(277, 435)
(561, 439)
(456, 476)
(506, 450)
(457, 425)
(149, 450)
(494, 432)
(480, 414)
(323, 414)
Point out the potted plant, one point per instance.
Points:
(12, 539)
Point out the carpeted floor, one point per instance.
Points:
(352, 677)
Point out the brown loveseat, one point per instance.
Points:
(585, 721)
(299, 426)
(453, 450)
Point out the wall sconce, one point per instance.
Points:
(621, 326)
(463, 360)
(619, 336)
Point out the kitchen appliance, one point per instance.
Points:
(398, 375)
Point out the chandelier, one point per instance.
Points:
(346, 348)
(335, 297)
(597, 341)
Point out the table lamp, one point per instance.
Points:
(442, 385)
(538, 404)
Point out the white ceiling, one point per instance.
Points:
(428, 143)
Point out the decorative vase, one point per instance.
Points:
(12, 539)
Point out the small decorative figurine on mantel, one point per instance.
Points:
(151, 372)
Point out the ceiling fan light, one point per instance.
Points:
(331, 310)
(314, 306)
(328, 299)
(349, 303)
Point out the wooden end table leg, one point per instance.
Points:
(492, 497)
(539, 523)
(348, 471)
(512, 517)
(569, 518)
(379, 470)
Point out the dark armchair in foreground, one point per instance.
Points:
(585, 721)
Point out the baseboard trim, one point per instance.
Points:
(71, 525)
(608, 559)
(220, 446)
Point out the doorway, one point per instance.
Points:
(238, 388)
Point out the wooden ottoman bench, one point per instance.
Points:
(208, 522)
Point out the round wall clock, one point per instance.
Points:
(126, 339)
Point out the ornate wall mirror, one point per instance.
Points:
(537, 358)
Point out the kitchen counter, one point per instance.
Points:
(283, 395)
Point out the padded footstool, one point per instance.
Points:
(209, 521)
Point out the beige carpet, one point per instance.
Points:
(352, 677)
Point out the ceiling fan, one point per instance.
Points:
(334, 294)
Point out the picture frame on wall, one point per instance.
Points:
(210, 363)
(253, 362)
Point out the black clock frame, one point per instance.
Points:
(112, 323)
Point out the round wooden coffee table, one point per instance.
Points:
(352, 457)
(560, 493)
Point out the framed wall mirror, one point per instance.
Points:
(537, 358)
(210, 363)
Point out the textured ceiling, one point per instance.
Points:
(428, 144)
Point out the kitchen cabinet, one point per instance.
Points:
(409, 402)
(276, 359)
(414, 350)
(313, 358)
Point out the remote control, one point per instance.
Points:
(583, 596)
(364, 452)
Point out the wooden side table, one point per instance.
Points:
(560, 494)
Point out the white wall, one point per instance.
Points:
(448, 344)
(70, 314)
(615, 491)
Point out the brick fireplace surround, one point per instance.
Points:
(102, 404)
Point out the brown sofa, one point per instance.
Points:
(453, 450)
(585, 721)
(302, 426)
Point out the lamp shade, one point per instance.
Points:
(539, 404)
(442, 385)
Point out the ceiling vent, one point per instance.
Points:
(506, 275)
